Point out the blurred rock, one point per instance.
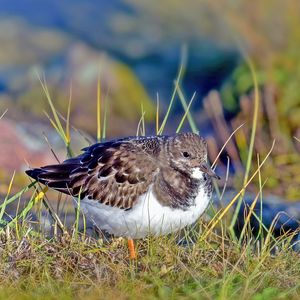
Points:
(23, 145)
(15, 150)
(65, 62)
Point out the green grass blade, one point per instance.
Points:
(19, 194)
(55, 126)
(98, 110)
(34, 200)
(185, 107)
(105, 118)
(54, 113)
(77, 214)
(181, 70)
(187, 110)
(252, 140)
(23, 213)
(5, 200)
(164, 122)
(260, 201)
(56, 122)
(68, 133)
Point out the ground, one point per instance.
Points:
(75, 267)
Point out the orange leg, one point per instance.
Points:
(131, 249)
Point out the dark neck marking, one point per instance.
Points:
(176, 189)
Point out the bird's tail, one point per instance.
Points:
(58, 176)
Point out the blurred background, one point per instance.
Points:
(136, 48)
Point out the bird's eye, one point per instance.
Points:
(185, 154)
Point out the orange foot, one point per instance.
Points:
(131, 249)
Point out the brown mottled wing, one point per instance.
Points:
(113, 173)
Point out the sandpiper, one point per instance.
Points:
(136, 186)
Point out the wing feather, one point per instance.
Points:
(113, 173)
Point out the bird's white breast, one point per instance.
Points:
(147, 216)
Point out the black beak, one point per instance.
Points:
(208, 170)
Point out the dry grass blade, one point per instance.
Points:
(52, 212)
(157, 114)
(51, 148)
(143, 112)
(250, 213)
(270, 233)
(223, 147)
(1, 116)
(226, 179)
(141, 125)
(220, 215)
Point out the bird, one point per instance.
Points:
(137, 186)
